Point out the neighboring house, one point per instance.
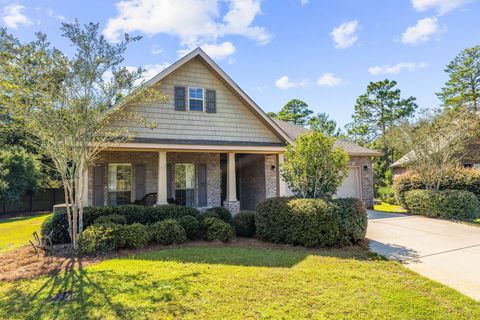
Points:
(212, 146)
(471, 160)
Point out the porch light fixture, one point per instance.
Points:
(365, 168)
(273, 167)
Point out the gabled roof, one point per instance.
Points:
(351, 148)
(199, 53)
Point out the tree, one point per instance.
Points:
(69, 104)
(19, 173)
(314, 167)
(438, 143)
(377, 111)
(463, 85)
(296, 112)
(272, 114)
(321, 122)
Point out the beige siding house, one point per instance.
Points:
(211, 146)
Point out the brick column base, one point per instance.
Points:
(232, 206)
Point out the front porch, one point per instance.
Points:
(202, 179)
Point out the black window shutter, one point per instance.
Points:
(202, 185)
(140, 183)
(98, 185)
(211, 101)
(180, 99)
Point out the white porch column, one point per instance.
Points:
(162, 178)
(231, 179)
(231, 202)
(281, 184)
(85, 189)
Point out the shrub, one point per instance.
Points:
(449, 204)
(311, 222)
(387, 194)
(216, 229)
(58, 225)
(168, 232)
(132, 236)
(97, 239)
(458, 179)
(223, 213)
(244, 223)
(352, 220)
(210, 214)
(168, 211)
(111, 219)
(190, 225)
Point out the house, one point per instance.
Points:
(471, 160)
(212, 146)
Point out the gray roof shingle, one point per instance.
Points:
(353, 149)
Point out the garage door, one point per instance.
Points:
(350, 187)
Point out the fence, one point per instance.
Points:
(42, 200)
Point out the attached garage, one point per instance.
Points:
(359, 182)
(351, 186)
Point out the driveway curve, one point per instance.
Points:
(445, 251)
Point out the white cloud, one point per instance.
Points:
(284, 83)
(219, 51)
(345, 35)
(397, 68)
(441, 6)
(422, 31)
(194, 22)
(329, 80)
(151, 70)
(304, 2)
(12, 16)
(155, 49)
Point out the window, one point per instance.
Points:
(119, 184)
(185, 184)
(195, 99)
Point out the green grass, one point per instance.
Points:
(15, 232)
(237, 283)
(385, 207)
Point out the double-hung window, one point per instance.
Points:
(195, 98)
(119, 183)
(185, 184)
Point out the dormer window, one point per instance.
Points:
(195, 98)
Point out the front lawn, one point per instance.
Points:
(15, 232)
(232, 282)
(385, 207)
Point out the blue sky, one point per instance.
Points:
(323, 52)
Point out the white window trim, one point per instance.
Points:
(203, 99)
(131, 179)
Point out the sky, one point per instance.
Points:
(322, 52)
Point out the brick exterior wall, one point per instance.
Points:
(150, 160)
(271, 176)
(366, 177)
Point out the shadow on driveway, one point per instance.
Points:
(394, 252)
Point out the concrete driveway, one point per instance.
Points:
(445, 251)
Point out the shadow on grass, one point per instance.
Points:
(254, 257)
(79, 293)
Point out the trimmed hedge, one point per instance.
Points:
(222, 213)
(459, 179)
(97, 239)
(168, 232)
(311, 222)
(191, 226)
(111, 218)
(244, 223)
(132, 213)
(449, 204)
(216, 229)
(131, 236)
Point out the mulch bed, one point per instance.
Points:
(24, 263)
